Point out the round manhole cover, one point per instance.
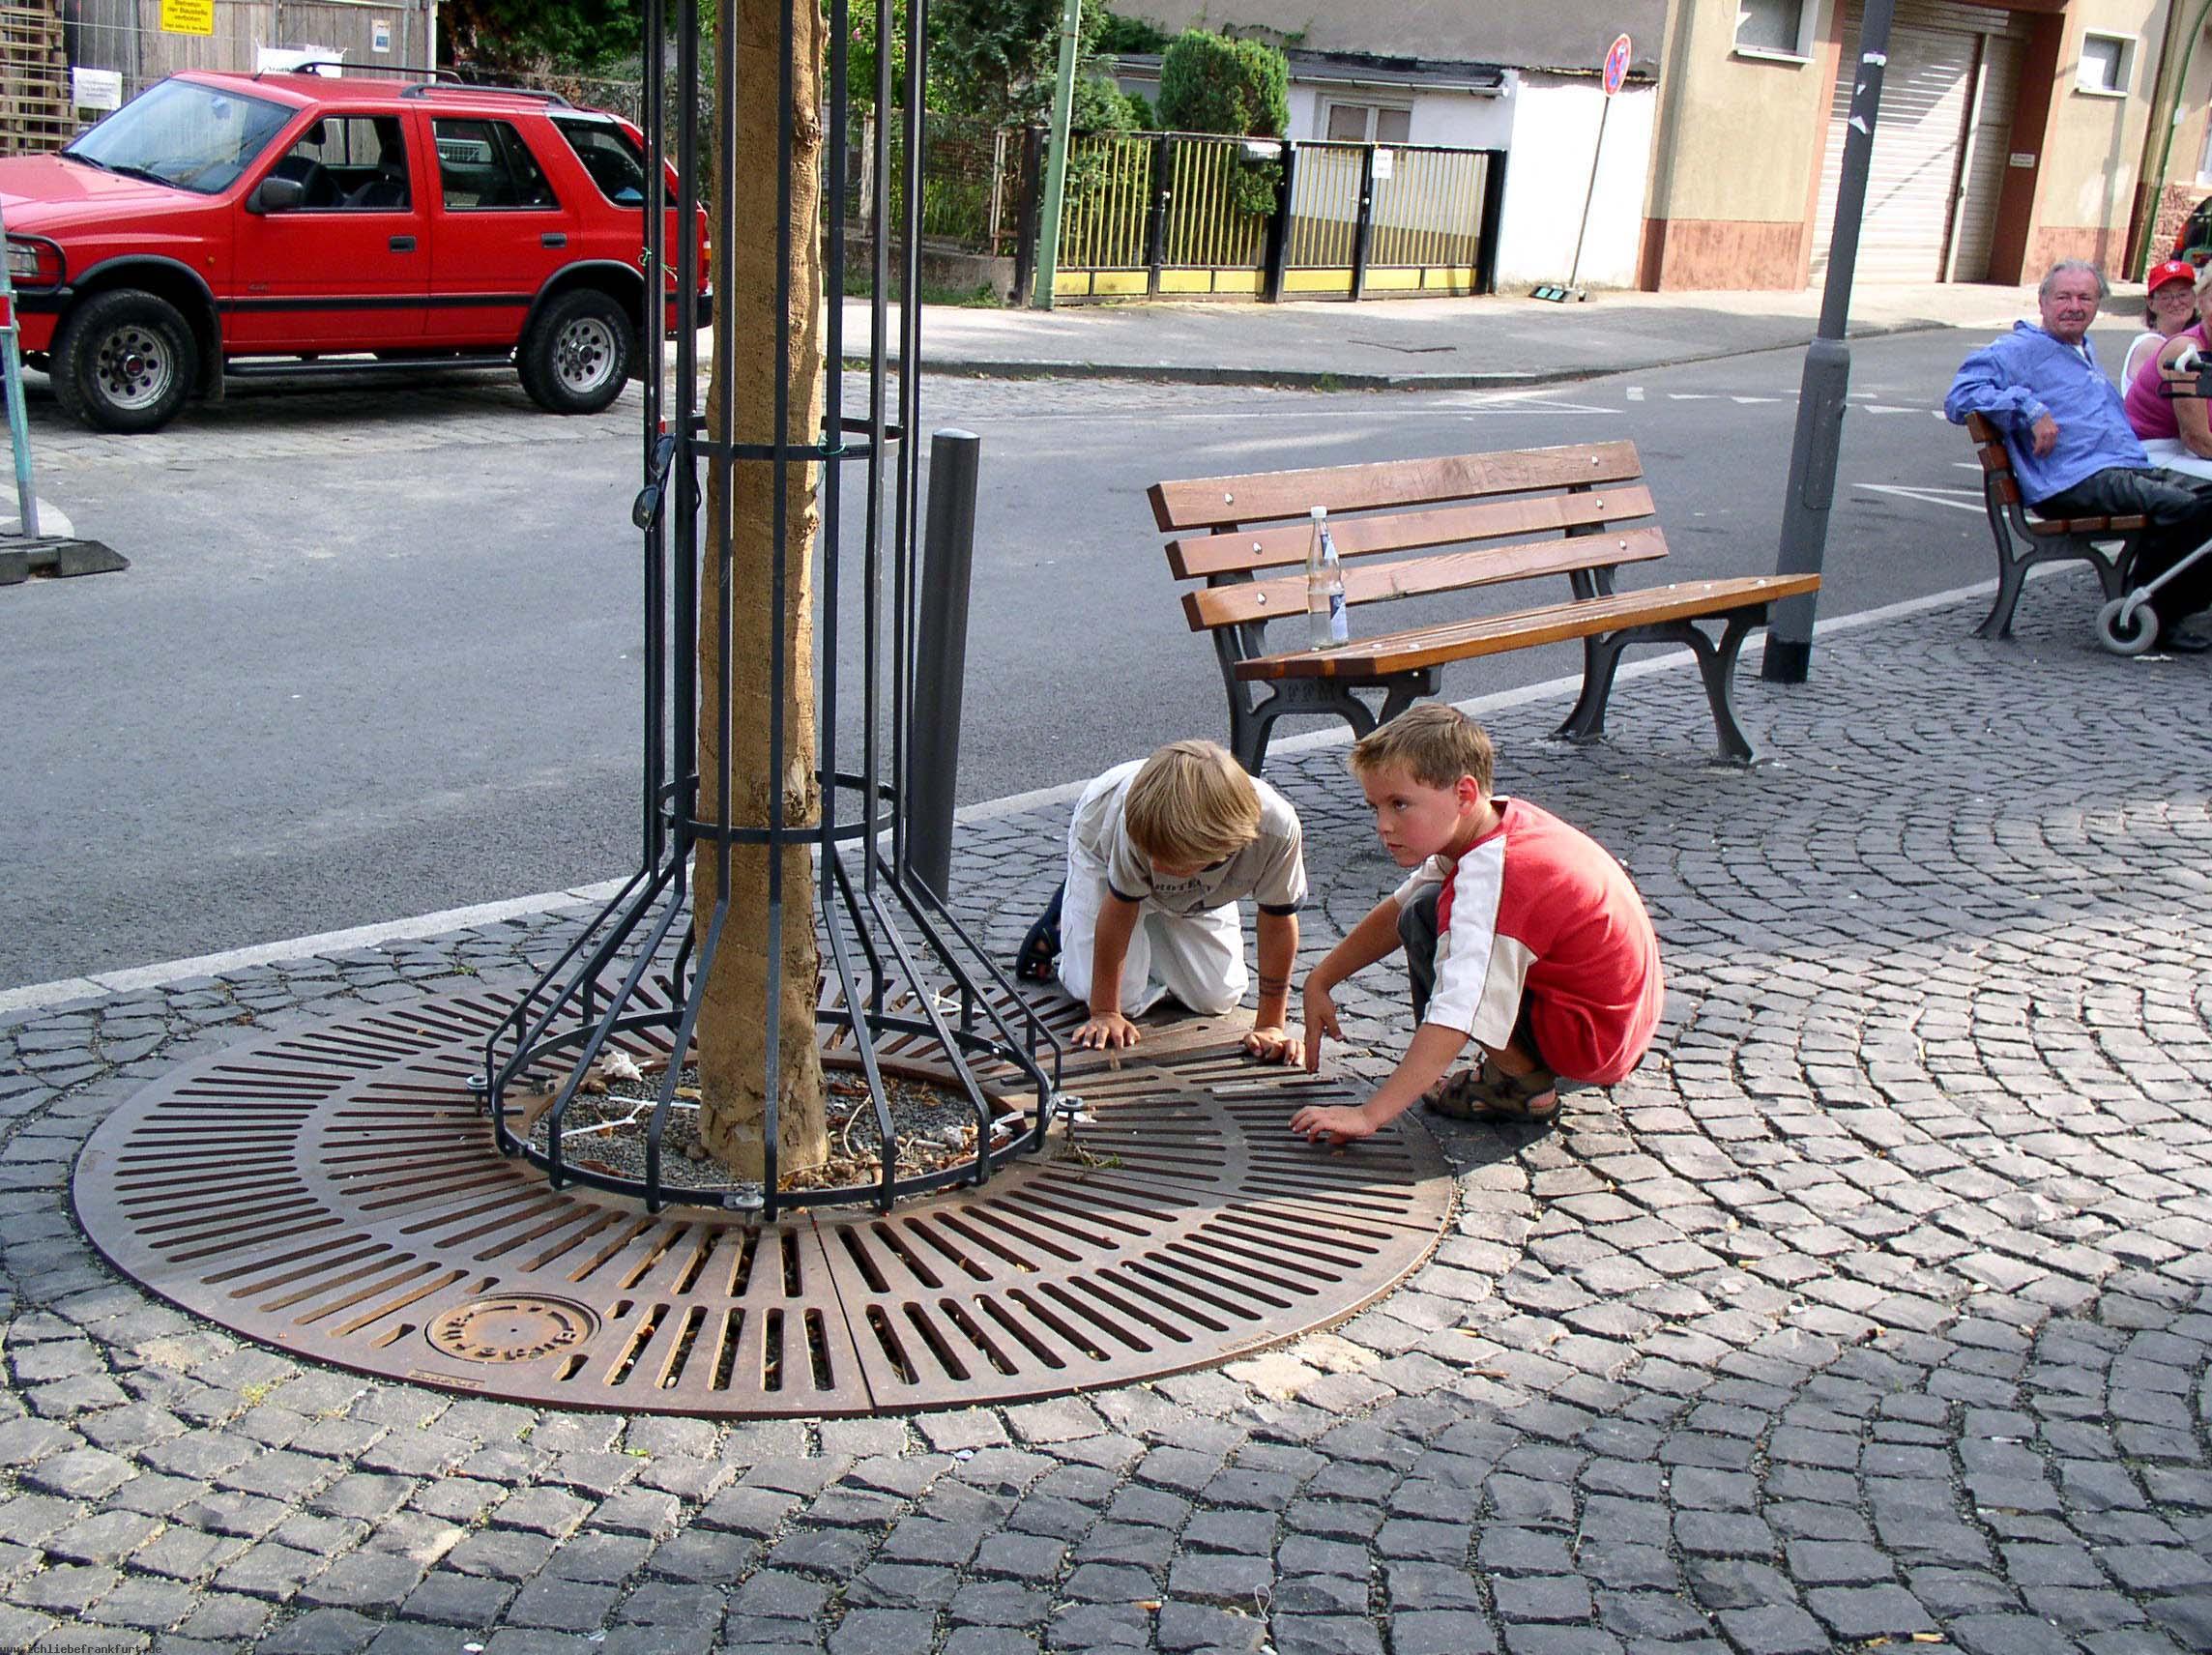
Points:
(514, 1327)
(335, 1192)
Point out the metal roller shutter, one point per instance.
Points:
(1940, 147)
(1977, 209)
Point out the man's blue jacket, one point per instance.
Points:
(2020, 376)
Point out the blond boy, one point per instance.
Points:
(1159, 854)
(1521, 935)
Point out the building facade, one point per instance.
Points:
(2009, 137)
(1506, 75)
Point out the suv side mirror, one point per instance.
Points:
(276, 195)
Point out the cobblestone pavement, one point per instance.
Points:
(1872, 1311)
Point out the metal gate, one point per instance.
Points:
(1188, 214)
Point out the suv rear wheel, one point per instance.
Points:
(576, 354)
(124, 361)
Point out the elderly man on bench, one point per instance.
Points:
(2073, 450)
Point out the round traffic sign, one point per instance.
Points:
(1616, 65)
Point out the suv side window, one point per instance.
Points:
(611, 156)
(355, 162)
(485, 164)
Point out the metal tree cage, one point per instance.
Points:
(897, 967)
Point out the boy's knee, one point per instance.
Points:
(1418, 922)
(1217, 1003)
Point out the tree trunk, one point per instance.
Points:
(731, 1038)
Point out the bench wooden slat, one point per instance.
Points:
(2087, 524)
(1443, 572)
(1220, 501)
(1433, 645)
(1405, 531)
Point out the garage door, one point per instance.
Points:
(1938, 151)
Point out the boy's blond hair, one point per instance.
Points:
(1191, 802)
(1433, 744)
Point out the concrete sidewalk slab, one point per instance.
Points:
(1501, 341)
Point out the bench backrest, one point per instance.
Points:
(1997, 478)
(1467, 520)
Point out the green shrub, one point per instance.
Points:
(1101, 106)
(1211, 83)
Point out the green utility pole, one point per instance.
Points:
(1056, 161)
(2165, 147)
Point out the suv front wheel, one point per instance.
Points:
(576, 355)
(124, 361)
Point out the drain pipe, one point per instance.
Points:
(2166, 146)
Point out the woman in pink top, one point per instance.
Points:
(2174, 429)
(2169, 304)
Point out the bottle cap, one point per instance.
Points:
(1319, 512)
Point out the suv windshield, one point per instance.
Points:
(196, 137)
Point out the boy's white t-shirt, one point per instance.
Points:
(1272, 870)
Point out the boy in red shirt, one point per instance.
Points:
(1521, 934)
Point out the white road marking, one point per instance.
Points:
(1969, 498)
(1889, 408)
(1635, 393)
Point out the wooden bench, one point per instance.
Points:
(1469, 521)
(2024, 541)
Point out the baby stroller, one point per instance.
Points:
(2126, 625)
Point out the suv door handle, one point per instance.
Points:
(553, 239)
(402, 244)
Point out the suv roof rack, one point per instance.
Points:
(427, 87)
(390, 70)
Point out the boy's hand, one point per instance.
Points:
(1338, 1126)
(1105, 1030)
(1321, 1020)
(1271, 1043)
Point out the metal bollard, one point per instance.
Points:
(941, 657)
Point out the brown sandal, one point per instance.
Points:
(1487, 1092)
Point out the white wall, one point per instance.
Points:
(1555, 135)
(1455, 119)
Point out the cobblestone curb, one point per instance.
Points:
(1872, 1310)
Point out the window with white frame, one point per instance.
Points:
(1774, 28)
(1367, 123)
(2106, 60)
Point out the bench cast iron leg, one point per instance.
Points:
(2012, 575)
(1717, 663)
(2117, 573)
(1716, 666)
(1601, 659)
(1251, 725)
(1405, 691)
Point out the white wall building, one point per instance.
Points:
(1545, 121)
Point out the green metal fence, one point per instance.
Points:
(1196, 213)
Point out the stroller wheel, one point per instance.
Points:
(2127, 627)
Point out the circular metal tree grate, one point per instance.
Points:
(333, 1193)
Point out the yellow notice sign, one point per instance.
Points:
(187, 16)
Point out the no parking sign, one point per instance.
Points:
(1615, 72)
(1616, 64)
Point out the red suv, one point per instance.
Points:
(220, 219)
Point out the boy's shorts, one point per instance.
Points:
(1198, 958)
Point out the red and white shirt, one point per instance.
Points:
(1536, 909)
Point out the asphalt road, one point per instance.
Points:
(377, 654)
